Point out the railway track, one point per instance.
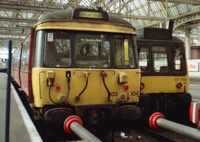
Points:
(142, 132)
(166, 135)
(134, 133)
(146, 134)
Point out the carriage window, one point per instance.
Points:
(25, 55)
(160, 59)
(177, 56)
(120, 52)
(92, 50)
(144, 58)
(57, 51)
(16, 58)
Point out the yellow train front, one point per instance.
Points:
(85, 63)
(164, 84)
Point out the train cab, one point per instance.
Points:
(81, 62)
(164, 71)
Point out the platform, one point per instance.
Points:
(194, 77)
(21, 128)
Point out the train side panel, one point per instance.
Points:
(22, 64)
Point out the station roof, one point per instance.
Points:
(17, 16)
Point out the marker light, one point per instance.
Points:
(141, 85)
(126, 87)
(179, 85)
(57, 87)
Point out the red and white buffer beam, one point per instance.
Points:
(195, 112)
(157, 121)
(73, 125)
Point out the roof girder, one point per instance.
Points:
(17, 20)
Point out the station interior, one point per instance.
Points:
(18, 16)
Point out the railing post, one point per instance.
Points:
(7, 116)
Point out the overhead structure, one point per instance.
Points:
(17, 16)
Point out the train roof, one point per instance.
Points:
(68, 15)
(156, 34)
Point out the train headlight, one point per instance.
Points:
(179, 85)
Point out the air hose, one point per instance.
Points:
(86, 83)
(103, 75)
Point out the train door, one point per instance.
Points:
(24, 65)
(16, 65)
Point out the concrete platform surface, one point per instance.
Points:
(20, 130)
(194, 77)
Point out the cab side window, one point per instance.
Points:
(160, 61)
(144, 58)
(177, 58)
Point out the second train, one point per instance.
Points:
(164, 83)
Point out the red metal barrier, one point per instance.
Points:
(195, 112)
(73, 125)
(157, 121)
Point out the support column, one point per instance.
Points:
(187, 44)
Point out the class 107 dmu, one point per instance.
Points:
(80, 62)
(164, 83)
(89, 63)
